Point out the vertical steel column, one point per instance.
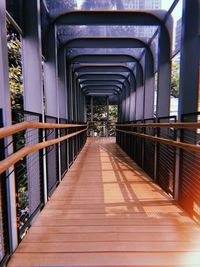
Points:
(132, 110)
(149, 87)
(85, 109)
(31, 52)
(189, 65)
(123, 106)
(32, 73)
(107, 107)
(132, 101)
(92, 108)
(62, 98)
(50, 75)
(127, 101)
(139, 95)
(75, 97)
(92, 113)
(5, 105)
(120, 107)
(71, 108)
(164, 75)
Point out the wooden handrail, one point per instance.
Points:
(177, 144)
(177, 125)
(15, 157)
(12, 129)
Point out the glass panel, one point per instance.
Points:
(57, 7)
(177, 27)
(127, 65)
(166, 4)
(135, 52)
(69, 32)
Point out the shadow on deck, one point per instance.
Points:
(107, 212)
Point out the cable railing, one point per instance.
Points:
(169, 152)
(38, 155)
(4, 233)
(101, 128)
(42, 153)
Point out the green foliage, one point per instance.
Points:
(16, 94)
(175, 79)
(100, 117)
(113, 113)
(15, 67)
(100, 113)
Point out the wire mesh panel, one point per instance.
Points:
(28, 172)
(128, 141)
(149, 149)
(139, 143)
(123, 140)
(71, 147)
(75, 143)
(63, 149)
(4, 236)
(117, 136)
(189, 192)
(166, 157)
(133, 143)
(52, 158)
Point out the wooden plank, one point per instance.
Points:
(108, 212)
(115, 237)
(110, 221)
(106, 259)
(113, 229)
(108, 247)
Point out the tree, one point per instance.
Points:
(100, 115)
(175, 79)
(15, 67)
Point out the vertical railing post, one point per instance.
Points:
(44, 164)
(155, 154)
(177, 167)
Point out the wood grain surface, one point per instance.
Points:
(108, 212)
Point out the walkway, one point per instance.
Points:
(107, 212)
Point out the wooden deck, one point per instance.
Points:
(107, 212)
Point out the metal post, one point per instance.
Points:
(139, 97)
(107, 126)
(31, 52)
(5, 105)
(92, 113)
(164, 76)
(50, 76)
(177, 169)
(189, 65)
(91, 108)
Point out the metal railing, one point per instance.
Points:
(4, 219)
(33, 144)
(28, 172)
(189, 191)
(52, 157)
(170, 153)
(101, 128)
